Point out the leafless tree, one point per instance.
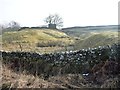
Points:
(54, 19)
(14, 24)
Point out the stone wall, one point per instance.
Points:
(80, 61)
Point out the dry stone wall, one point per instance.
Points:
(80, 61)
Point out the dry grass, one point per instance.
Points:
(11, 79)
(30, 38)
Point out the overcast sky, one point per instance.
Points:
(73, 12)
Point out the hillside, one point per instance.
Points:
(34, 39)
(83, 32)
(98, 39)
(47, 41)
(93, 36)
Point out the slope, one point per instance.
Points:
(98, 39)
(34, 39)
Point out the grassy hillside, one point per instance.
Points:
(34, 39)
(83, 32)
(46, 40)
(93, 36)
(98, 39)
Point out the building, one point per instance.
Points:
(52, 26)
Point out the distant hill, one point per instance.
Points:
(98, 28)
(88, 30)
(93, 36)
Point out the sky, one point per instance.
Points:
(74, 12)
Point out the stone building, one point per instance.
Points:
(52, 26)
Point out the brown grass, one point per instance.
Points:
(11, 79)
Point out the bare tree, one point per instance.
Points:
(54, 19)
(13, 24)
(58, 20)
(49, 19)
